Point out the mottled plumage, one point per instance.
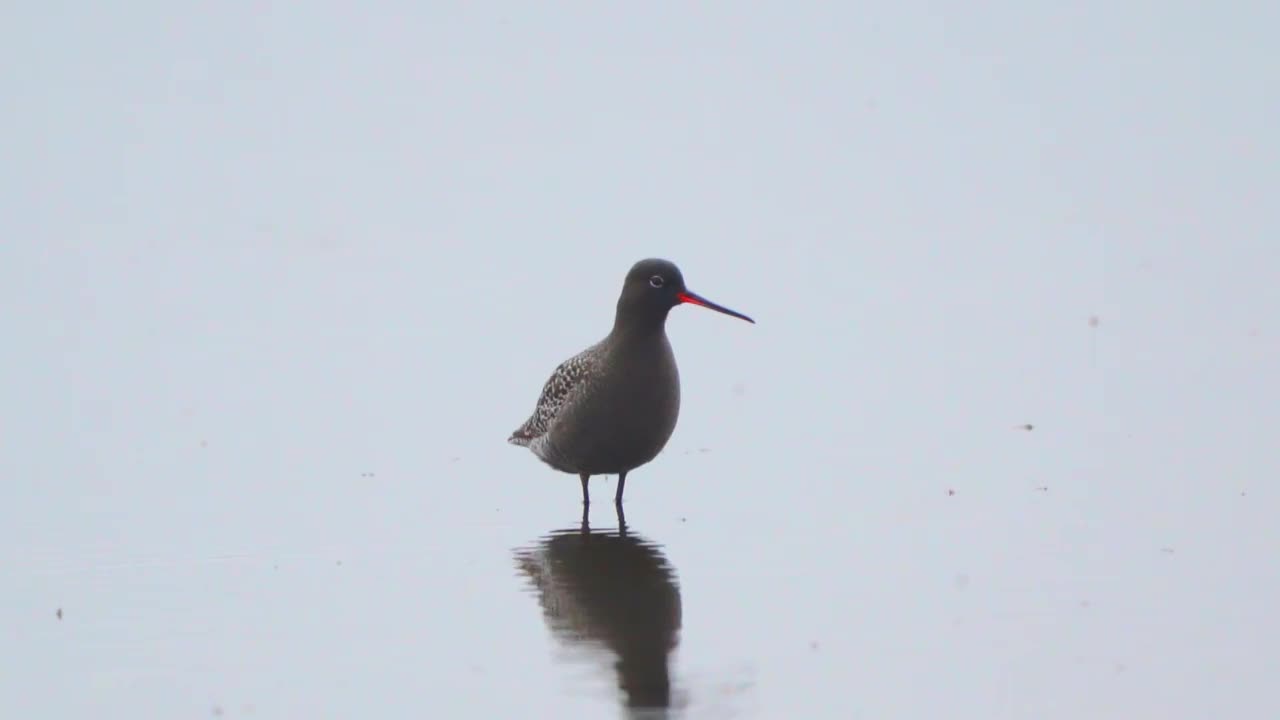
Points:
(612, 407)
(567, 378)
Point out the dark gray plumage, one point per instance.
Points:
(612, 407)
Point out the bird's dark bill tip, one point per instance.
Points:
(693, 298)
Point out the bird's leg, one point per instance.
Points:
(617, 498)
(586, 499)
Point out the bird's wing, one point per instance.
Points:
(568, 377)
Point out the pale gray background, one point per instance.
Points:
(252, 253)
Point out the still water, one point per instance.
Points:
(610, 597)
(749, 592)
(296, 499)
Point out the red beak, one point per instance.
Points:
(695, 299)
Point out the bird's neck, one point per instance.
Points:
(630, 330)
(630, 323)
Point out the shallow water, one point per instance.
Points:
(612, 596)
(724, 597)
(276, 287)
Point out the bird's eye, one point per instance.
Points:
(656, 281)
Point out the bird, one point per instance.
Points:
(612, 407)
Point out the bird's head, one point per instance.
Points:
(652, 288)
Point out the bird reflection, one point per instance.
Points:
(610, 590)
